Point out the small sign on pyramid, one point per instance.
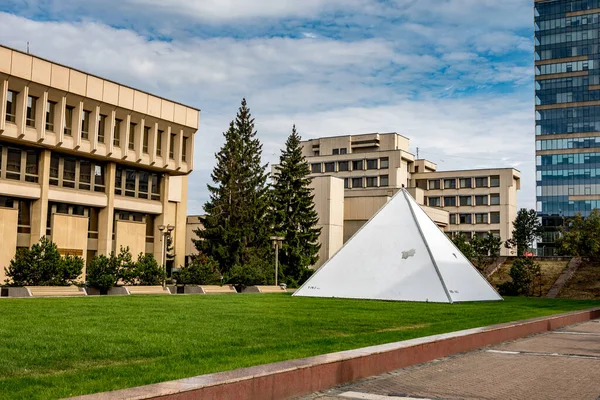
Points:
(400, 254)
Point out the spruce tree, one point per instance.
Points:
(294, 212)
(235, 226)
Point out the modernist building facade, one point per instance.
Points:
(354, 176)
(92, 164)
(567, 83)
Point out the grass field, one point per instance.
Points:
(52, 348)
(585, 283)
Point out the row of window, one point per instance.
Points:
(79, 173)
(341, 150)
(567, 120)
(84, 122)
(567, 175)
(566, 159)
(560, 68)
(558, 23)
(589, 34)
(148, 219)
(560, 205)
(464, 183)
(356, 165)
(137, 183)
(469, 235)
(567, 83)
(554, 9)
(478, 200)
(575, 143)
(370, 181)
(479, 218)
(567, 190)
(561, 97)
(18, 164)
(565, 50)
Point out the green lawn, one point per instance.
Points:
(53, 348)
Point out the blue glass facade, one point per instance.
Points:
(567, 95)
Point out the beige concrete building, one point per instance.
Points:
(90, 163)
(373, 167)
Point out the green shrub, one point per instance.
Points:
(103, 272)
(255, 272)
(42, 265)
(203, 270)
(525, 278)
(147, 271)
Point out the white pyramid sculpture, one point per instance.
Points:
(400, 254)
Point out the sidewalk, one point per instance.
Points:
(562, 364)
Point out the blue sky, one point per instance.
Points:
(455, 76)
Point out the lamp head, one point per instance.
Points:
(161, 228)
(170, 228)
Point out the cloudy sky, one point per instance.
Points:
(455, 76)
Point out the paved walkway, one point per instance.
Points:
(563, 364)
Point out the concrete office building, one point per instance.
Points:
(567, 89)
(92, 164)
(360, 173)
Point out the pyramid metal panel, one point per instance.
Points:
(389, 259)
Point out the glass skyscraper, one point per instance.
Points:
(567, 111)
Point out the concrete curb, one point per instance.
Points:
(302, 376)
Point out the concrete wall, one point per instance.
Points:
(329, 204)
(70, 234)
(131, 234)
(192, 224)
(8, 233)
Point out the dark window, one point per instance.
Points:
(85, 124)
(101, 128)
(99, 185)
(453, 219)
(149, 228)
(372, 181)
(384, 163)
(131, 136)
(481, 200)
(31, 166)
(465, 200)
(119, 181)
(130, 183)
(357, 182)
(11, 106)
(69, 172)
(481, 218)
(68, 120)
(434, 184)
(357, 165)
(466, 218)
(24, 217)
(156, 187)
(143, 184)
(13, 164)
(117, 137)
(450, 183)
(481, 182)
(346, 183)
(172, 147)
(184, 149)
(343, 150)
(336, 152)
(384, 180)
(466, 183)
(495, 218)
(495, 181)
(450, 201)
(85, 175)
(79, 210)
(434, 202)
(343, 166)
(50, 106)
(315, 168)
(159, 143)
(145, 139)
(372, 164)
(495, 199)
(329, 167)
(54, 165)
(93, 224)
(30, 118)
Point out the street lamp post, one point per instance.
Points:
(165, 232)
(277, 243)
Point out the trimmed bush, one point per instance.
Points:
(42, 265)
(203, 270)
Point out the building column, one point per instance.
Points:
(180, 225)
(3, 97)
(39, 208)
(21, 111)
(40, 116)
(76, 130)
(162, 219)
(106, 215)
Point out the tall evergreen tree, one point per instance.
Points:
(235, 226)
(294, 212)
